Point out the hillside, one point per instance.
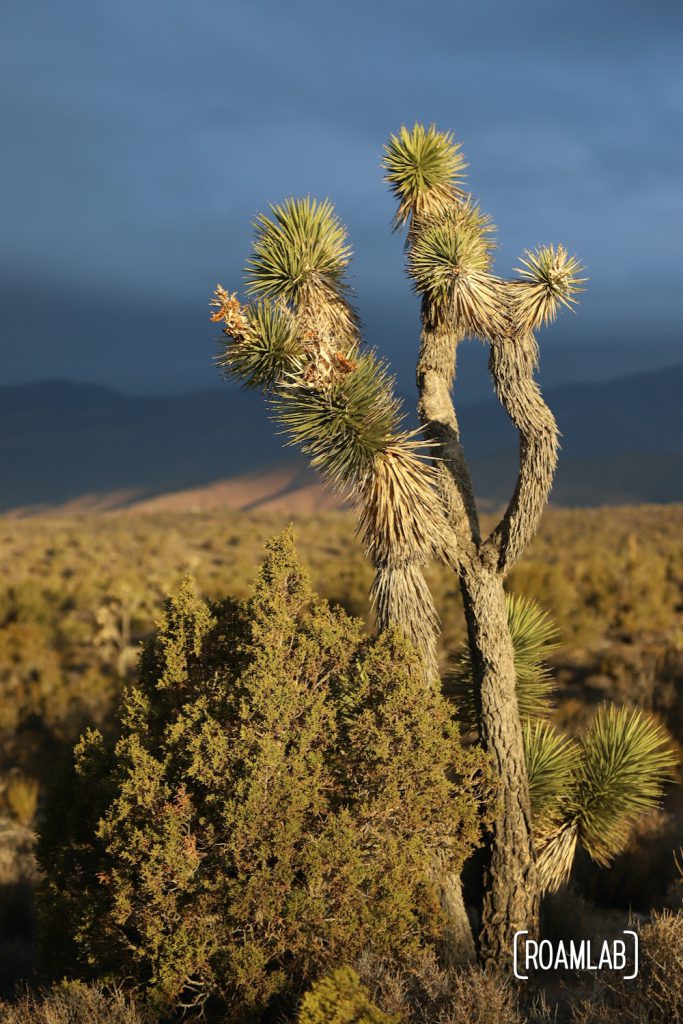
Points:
(62, 443)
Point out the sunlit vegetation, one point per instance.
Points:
(78, 595)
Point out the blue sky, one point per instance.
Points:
(141, 138)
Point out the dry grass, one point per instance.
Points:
(71, 1003)
(656, 995)
(429, 995)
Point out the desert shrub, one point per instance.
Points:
(428, 994)
(340, 998)
(273, 804)
(21, 797)
(70, 1003)
(476, 996)
(57, 573)
(29, 675)
(655, 996)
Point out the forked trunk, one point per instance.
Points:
(510, 886)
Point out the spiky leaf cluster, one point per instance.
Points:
(449, 264)
(534, 636)
(551, 760)
(424, 168)
(445, 251)
(268, 349)
(615, 774)
(549, 279)
(303, 244)
(341, 427)
(625, 762)
(587, 792)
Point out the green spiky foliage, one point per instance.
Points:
(344, 415)
(626, 760)
(303, 243)
(425, 169)
(549, 279)
(344, 426)
(300, 256)
(337, 404)
(449, 248)
(269, 348)
(619, 770)
(269, 809)
(340, 998)
(589, 791)
(534, 637)
(449, 264)
(449, 238)
(551, 760)
(623, 761)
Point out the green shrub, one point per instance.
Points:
(272, 806)
(341, 999)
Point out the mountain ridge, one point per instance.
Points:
(61, 440)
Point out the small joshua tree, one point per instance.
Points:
(585, 791)
(299, 341)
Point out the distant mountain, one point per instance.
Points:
(60, 442)
(641, 414)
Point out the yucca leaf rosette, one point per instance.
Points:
(261, 342)
(300, 256)
(449, 263)
(627, 759)
(549, 279)
(344, 425)
(623, 762)
(425, 170)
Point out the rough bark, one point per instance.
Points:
(435, 373)
(512, 363)
(510, 901)
(457, 944)
(510, 884)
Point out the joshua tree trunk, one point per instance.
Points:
(510, 901)
(510, 888)
(457, 943)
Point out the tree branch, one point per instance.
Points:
(435, 372)
(512, 362)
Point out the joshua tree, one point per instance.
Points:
(299, 340)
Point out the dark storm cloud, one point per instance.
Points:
(141, 138)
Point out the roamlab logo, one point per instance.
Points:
(611, 955)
